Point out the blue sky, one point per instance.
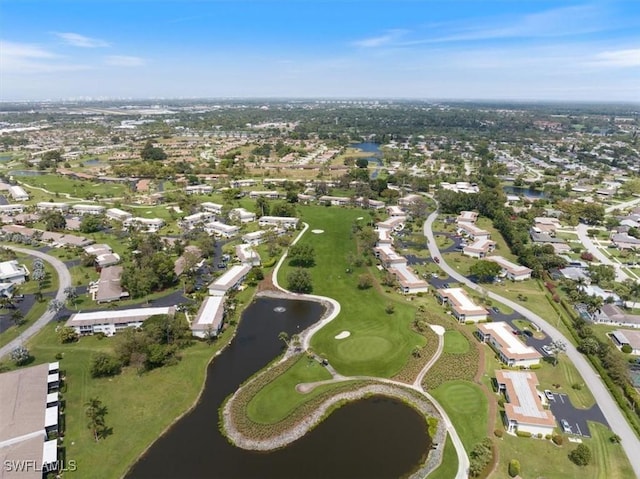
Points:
(429, 49)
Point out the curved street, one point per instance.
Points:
(612, 414)
(583, 236)
(64, 281)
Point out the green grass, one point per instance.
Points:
(138, 406)
(75, 188)
(13, 332)
(540, 458)
(449, 465)
(455, 342)
(467, 407)
(279, 398)
(380, 343)
(566, 375)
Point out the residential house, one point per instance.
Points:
(51, 206)
(11, 209)
(211, 207)
(507, 345)
(110, 322)
(467, 217)
(150, 225)
(512, 271)
(88, 209)
(221, 229)
(462, 306)
(18, 193)
(29, 421)
(627, 337)
(118, 214)
(335, 200)
(197, 219)
(242, 215)
(231, 279)
(198, 189)
(208, 320)
(12, 272)
(472, 231)
(108, 288)
(254, 238)
(523, 409)
(286, 222)
(247, 254)
(479, 248)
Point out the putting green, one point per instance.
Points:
(467, 398)
(364, 348)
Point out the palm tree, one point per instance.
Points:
(96, 412)
(557, 347)
(283, 336)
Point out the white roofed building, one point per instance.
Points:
(512, 271)
(524, 410)
(221, 229)
(510, 349)
(462, 306)
(18, 193)
(231, 279)
(211, 207)
(198, 189)
(479, 248)
(242, 215)
(254, 238)
(51, 206)
(208, 320)
(88, 209)
(110, 322)
(12, 272)
(118, 214)
(247, 255)
(150, 225)
(286, 222)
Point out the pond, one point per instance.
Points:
(521, 191)
(376, 437)
(27, 173)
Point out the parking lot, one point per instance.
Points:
(562, 408)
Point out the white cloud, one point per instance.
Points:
(618, 58)
(124, 61)
(29, 58)
(390, 37)
(77, 40)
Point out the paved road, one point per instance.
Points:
(610, 411)
(581, 229)
(622, 206)
(64, 279)
(562, 408)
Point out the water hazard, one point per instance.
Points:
(372, 438)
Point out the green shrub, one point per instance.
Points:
(581, 455)
(557, 440)
(535, 366)
(626, 349)
(523, 434)
(498, 432)
(514, 467)
(576, 386)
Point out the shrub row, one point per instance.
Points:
(415, 364)
(454, 366)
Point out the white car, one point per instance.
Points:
(547, 350)
(565, 426)
(549, 395)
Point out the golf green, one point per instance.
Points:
(364, 348)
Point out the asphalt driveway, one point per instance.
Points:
(562, 408)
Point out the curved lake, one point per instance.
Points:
(372, 438)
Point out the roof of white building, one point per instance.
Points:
(461, 302)
(524, 403)
(118, 316)
(510, 344)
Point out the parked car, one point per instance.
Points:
(565, 426)
(495, 309)
(527, 332)
(549, 395)
(547, 349)
(222, 265)
(18, 297)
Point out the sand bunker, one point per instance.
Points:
(360, 218)
(317, 232)
(343, 334)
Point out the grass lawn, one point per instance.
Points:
(566, 375)
(467, 407)
(279, 398)
(540, 458)
(380, 343)
(13, 332)
(76, 188)
(449, 465)
(138, 406)
(455, 342)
